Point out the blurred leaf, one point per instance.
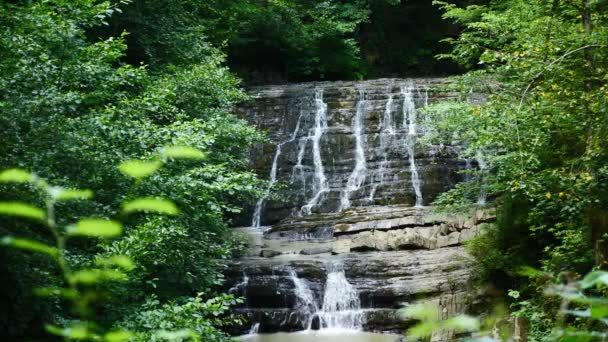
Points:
(529, 272)
(182, 152)
(178, 335)
(70, 194)
(599, 311)
(150, 204)
(15, 176)
(422, 330)
(21, 209)
(118, 336)
(30, 245)
(94, 275)
(139, 168)
(594, 278)
(76, 332)
(423, 312)
(56, 292)
(121, 261)
(95, 228)
(462, 323)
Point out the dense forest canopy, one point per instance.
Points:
(86, 85)
(278, 41)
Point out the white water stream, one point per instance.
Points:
(259, 206)
(409, 121)
(320, 185)
(357, 177)
(481, 163)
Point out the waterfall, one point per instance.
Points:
(305, 300)
(341, 305)
(240, 286)
(320, 185)
(357, 177)
(387, 128)
(481, 163)
(254, 329)
(257, 213)
(259, 206)
(409, 121)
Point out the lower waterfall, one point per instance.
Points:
(341, 304)
(306, 305)
(341, 308)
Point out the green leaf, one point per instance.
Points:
(22, 210)
(75, 332)
(92, 276)
(594, 278)
(182, 152)
(96, 228)
(56, 292)
(423, 312)
(599, 311)
(70, 194)
(150, 204)
(422, 330)
(139, 168)
(30, 245)
(15, 176)
(118, 336)
(178, 335)
(121, 261)
(462, 323)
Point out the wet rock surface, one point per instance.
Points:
(348, 240)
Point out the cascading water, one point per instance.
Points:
(240, 287)
(320, 185)
(481, 163)
(357, 177)
(387, 132)
(306, 305)
(409, 123)
(259, 206)
(341, 304)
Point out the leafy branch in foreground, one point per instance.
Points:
(83, 286)
(582, 317)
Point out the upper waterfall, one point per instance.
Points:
(348, 144)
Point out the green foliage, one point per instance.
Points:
(542, 130)
(73, 109)
(194, 317)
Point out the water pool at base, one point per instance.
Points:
(321, 336)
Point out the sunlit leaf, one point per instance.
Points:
(96, 228)
(462, 323)
(22, 210)
(75, 332)
(178, 335)
(30, 245)
(121, 261)
(139, 168)
(94, 275)
(529, 272)
(56, 292)
(150, 204)
(423, 312)
(70, 194)
(599, 311)
(182, 152)
(15, 176)
(422, 330)
(118, 336)
(594, 278)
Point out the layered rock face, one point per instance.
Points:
(349, 238)
(343, 144)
